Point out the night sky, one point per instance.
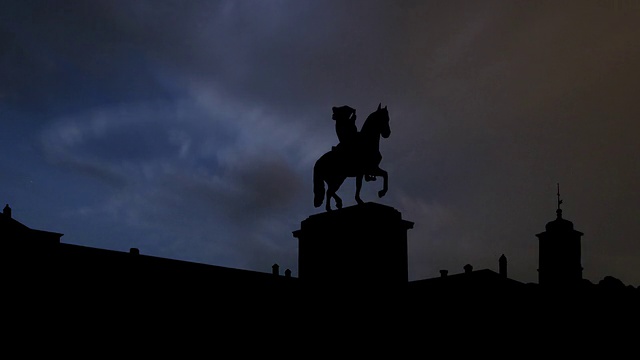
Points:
(189, 129)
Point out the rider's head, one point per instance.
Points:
(343, 112)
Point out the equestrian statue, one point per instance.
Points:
(356, 155)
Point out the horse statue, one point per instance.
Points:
(360, 160)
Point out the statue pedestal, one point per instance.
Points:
(361, 245)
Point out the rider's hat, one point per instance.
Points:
(342, 111)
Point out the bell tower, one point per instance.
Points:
(559, 262)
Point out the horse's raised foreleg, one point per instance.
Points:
(358, 188)
(385, 178)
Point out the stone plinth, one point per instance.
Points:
(358, 245)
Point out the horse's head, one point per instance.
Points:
(376, 124)
(382, 115)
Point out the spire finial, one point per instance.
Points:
(559, 211)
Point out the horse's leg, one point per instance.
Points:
(332, 188)
(358, 188)
(385, 185)
(338, 200)
(337, 184)
(330, 193)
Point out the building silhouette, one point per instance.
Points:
(352, 266)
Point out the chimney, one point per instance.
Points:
(443, 273)
(134, 251)
(468, 268)
(275, 269)
(503, 266)
(287, 273)
(7, 211)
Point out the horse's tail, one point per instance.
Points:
(318, 183)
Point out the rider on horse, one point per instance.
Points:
(345, 118)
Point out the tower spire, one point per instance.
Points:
(559, 211)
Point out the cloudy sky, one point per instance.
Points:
(189, 129)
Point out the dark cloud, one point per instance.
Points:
(68, 55)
